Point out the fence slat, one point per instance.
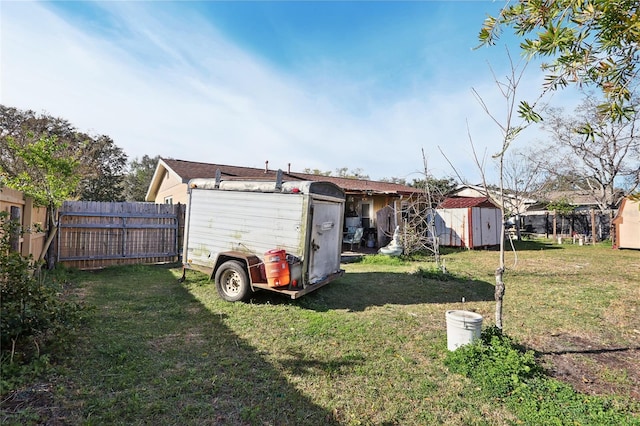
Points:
(95, 235)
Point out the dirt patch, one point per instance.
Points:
(592, 368)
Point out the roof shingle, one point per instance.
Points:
(188, 170)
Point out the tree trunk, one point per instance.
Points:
(53, 230)
(499, 295)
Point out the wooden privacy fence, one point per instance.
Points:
(97, 234)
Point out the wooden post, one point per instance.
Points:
(27, 221)
(546, 225)
(14, 239)
(555, 224)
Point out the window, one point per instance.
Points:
(168, 200)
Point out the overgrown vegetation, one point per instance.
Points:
(507, 372)
(34, 315)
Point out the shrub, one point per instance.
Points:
(434, 273)
(33, 312)
(494, 362)
(504, 370)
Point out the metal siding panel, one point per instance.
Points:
(486, 226)
(454, 228)
(253, 222)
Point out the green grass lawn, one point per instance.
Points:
(366, 349)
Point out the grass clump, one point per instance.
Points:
(505, 371)
(434, 273)
(383, 259)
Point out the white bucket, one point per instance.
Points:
(463, 327)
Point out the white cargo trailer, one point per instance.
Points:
(251, 235)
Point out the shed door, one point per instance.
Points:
(326, 231)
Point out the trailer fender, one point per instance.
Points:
(250, 261)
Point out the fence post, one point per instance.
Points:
(27, 221)
(16, 229)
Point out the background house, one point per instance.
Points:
(534, 217)
(370, 204)
(627, 223)
(585, 218)
(513, 203)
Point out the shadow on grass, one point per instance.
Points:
(358, 291)
(301, 365)
(154, 354)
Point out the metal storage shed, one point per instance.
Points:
(627, 223)
(468, 222)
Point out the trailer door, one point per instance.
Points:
(326, 240)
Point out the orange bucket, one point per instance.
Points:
(276, 268)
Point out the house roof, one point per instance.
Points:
(465, 202)
(576, 198)
(187, 170)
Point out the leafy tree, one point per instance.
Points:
(103, 169)
(590, 42)
(101, 162)
(344, 172)
(49, 177)
(316, 172)
(437, 188)
(592, 153)
(136, 182)
(399, 181)
(562, 207)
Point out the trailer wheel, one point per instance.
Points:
(232, 281)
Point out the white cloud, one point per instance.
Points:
(178, 89)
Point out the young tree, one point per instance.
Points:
(590, 42)
(515, 120)
(50, 177)
(420, 231)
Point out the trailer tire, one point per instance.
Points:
(232, 281)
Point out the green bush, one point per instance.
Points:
(504, 370)
(34, 317)
(494, 362)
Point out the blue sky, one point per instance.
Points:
(320, 85)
